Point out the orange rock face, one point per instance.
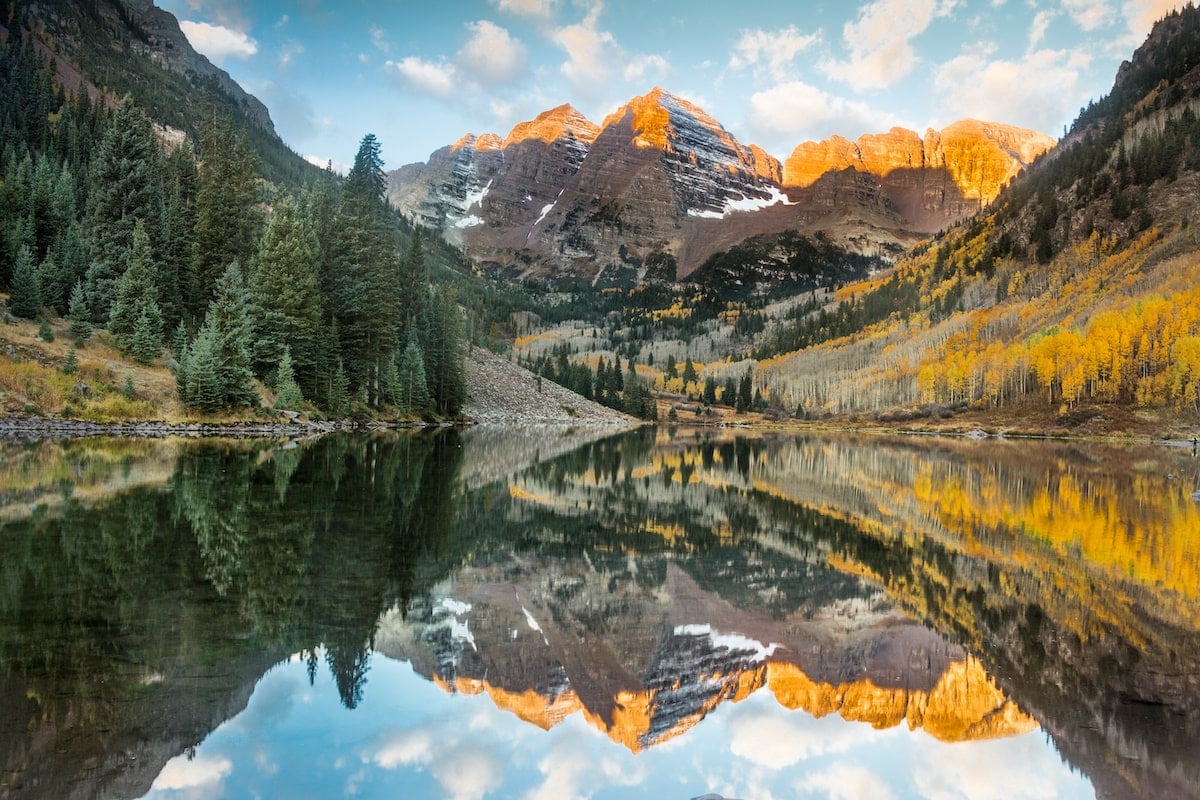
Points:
(980, 157)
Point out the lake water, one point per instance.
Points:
(557, 613)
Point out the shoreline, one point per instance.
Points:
(35, 428)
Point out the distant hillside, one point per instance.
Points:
(114, 48)
(1076, 289)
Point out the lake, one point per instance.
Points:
(559, 613)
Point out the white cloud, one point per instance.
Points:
(325, 162)
(984, 771)
(880, 41)
(218, 42)
(1142, 14)
(777, 743)
(1039, 91)
(403, 748)
(1037, 30)
(426, 77)
(379, 39)
(288, 52)
(534, 9)
(491, 56)
(797, 109)
(771, 53)
(646, 69)
(844, 781)
(590, 53)
(1089, 14)
(182, 774)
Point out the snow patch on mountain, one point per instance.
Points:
(734, 643)
(744, 204)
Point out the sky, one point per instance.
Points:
(419, 75)
(409, 738)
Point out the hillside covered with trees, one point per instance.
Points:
(183, 253)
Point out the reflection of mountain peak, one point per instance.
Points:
(633, 660)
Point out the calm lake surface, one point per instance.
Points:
(556, 613)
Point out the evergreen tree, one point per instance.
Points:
(710, 391)
(413, 288)
(25, 297)
(286, 296)
(287, 391)
(136, 295)
(689, 373)
(364, 295)
(45, 332)
(412, 391)
(444, 367)
(70, 364)
(77, 311)
(216, 368)
(745, 395)
(227, 219)
(124, 189)
(146, 344)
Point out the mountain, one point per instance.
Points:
(660, 178)
(1069, 302)
(111, 48)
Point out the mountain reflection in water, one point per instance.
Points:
(502, 613)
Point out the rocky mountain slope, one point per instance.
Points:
(111, 48)
(660, 178)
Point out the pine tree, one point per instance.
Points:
(70, 364)
(363, 291)
(710, 391)
(124, 190)
(227, 219)
(287, 391)
(286, 296)
(77, 310)
(136, 294)
(412, 391)
(147, 334)
(45, 332)
(413, 288)
(689, 373)
(216, 371)
(25, 296)
(444, 367)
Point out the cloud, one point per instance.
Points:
(1089, 14)
(1037, 30)
(491, 56)
(199, 776)
(646, 69)
(288, 52)
(379, 39)
(218, 42)
(776, 743)
(325, 162)
(770, 53)
(880, 41)
(534, 9)
(590, 53)
(1038, 91)
(843, 781)
(984, 771)
(426, 77)
(797, 109)
(1142, 14)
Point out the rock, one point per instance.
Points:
(83, 389)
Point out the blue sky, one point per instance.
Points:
(421, 74)
(409, 738)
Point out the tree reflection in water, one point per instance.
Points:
(145, 587)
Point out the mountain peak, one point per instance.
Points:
(658, 119)
(562, 122)
(486, 141)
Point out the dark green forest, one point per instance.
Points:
(318, 289)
